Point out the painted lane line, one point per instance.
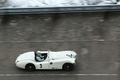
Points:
(51, 41)
(15, 75)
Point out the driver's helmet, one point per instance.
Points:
(38, 53)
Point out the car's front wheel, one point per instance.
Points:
(30, 67)
(67, 66)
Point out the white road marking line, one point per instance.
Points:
(50, 41)
(15, 75)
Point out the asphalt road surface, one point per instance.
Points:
(97, 60)
(95, 37)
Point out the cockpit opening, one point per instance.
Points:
(40, 57)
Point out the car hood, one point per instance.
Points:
(26, 56)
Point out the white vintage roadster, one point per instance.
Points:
(52, 60)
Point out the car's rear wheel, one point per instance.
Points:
(30, 67)
(68, 67)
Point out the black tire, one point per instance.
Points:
(30, 67)
(68, 67)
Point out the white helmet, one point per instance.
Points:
(38, 52)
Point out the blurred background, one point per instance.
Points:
(95, 37)
(53, 3)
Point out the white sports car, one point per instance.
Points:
(52, 60)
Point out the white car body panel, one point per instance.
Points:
(57, 64)
(54, 60)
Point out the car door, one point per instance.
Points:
(56, 64)
(43, 65)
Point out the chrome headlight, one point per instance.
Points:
(16, 62)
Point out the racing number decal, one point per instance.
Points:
(69, 55)
(40, 65)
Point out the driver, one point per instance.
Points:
(39, 57)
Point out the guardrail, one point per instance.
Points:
(72, 9)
